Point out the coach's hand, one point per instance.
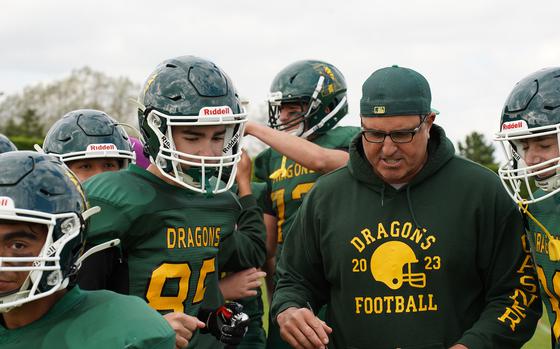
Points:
(184, 326)
(301, 329)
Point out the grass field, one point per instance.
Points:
(540, 340)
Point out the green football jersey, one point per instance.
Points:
(92, 320)
(252, 306)
(547, 212)
(285, 193)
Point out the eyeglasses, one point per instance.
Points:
(403, 136)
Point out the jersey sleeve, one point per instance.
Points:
(262, 173)
(110, 223)
(106, 269)
(300, 270)
(245, 247)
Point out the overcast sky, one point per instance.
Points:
(472, 52)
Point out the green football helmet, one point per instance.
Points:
(6, 145)
(318, 86)
(39, 188)
(531, 110)
(87, 133)
(191, 91)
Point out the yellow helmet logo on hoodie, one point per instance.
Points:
(391, 264)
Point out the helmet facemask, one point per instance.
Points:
(47, 271)
(517, 176)
(193, 171)
(275, 102)
(314, 104)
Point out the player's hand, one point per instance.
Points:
(301, 329)
(243, 175)
(184, 326)
(228, 323)
(459, 346)
(241, 284)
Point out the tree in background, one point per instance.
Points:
(477, 149)
(25, 132)
(85, 88)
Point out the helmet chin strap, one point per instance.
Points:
(95, 249)
(326, 118)
(11, 296)
(549, 184)
(298, 131)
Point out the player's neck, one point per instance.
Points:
(156, 172)
(32, 311)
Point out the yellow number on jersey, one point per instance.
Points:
(553, 297)
(278, 197)
(181, 271)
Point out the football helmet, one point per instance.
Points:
(39, 188)
(391, 264)
(191, 91)
(531, 110)
(6, 145)
(318, 85)
(87, 133)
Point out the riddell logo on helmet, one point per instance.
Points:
(6, 202)
(101, 147)
(212, 111)
(514, 125)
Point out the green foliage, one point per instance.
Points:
(25, 142)
(476, 148)
(29, 125)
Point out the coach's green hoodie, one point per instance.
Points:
(437, 262)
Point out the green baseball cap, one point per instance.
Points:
(395, 91)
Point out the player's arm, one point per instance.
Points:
(513, 305)
(302, 151)
(241, 284)
(300, 286)
(245, 247)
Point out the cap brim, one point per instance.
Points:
(434, 110)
